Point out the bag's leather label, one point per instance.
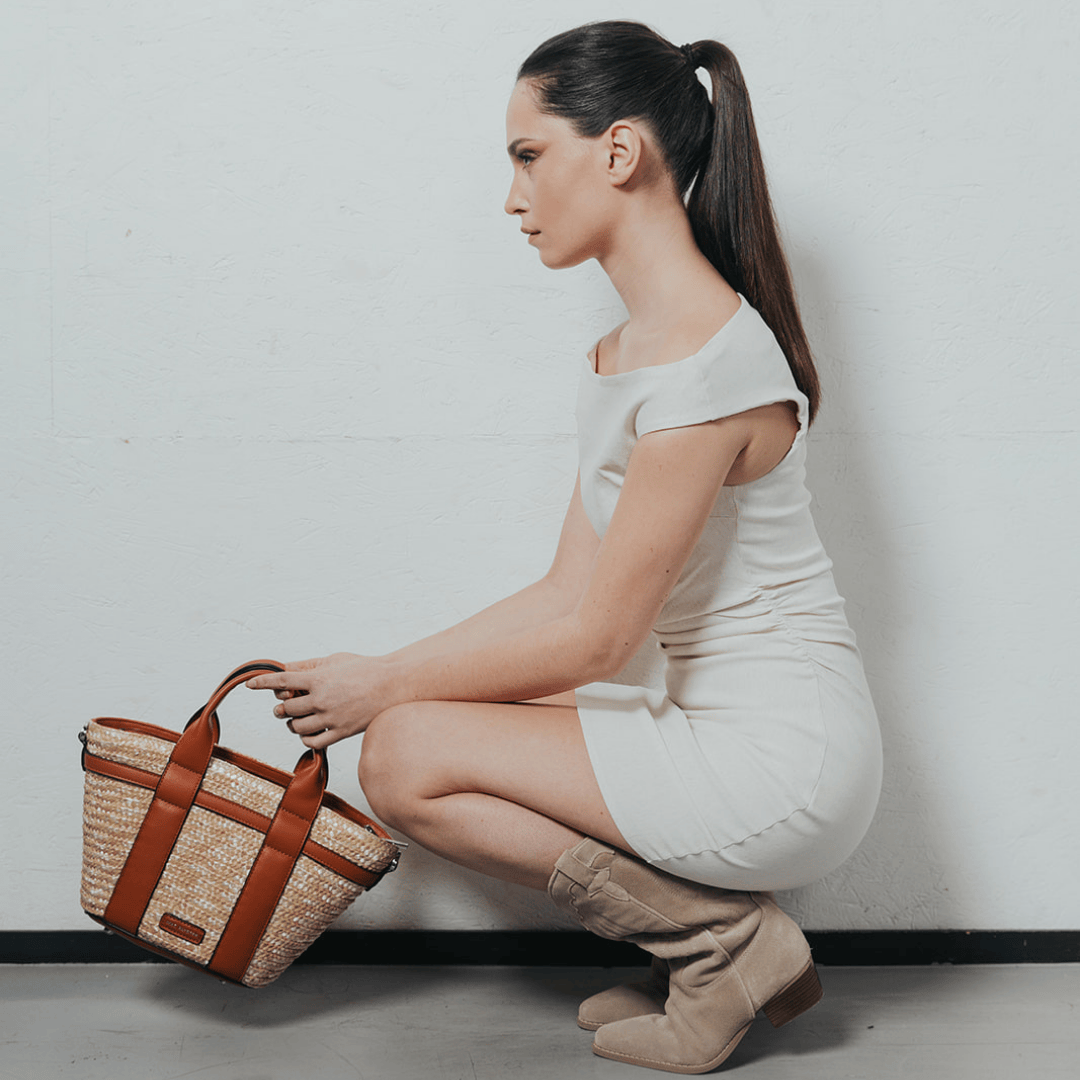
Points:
(173, 924)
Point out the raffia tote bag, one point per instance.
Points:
(212, 858)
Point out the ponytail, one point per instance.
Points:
(732, 216)
(605, 71)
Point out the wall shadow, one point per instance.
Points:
(896, 878)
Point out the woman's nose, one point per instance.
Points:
(515, 203)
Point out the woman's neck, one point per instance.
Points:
(656, 266)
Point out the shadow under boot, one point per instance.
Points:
(728, 953)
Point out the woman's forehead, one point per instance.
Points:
(525, 120)
(522, 106)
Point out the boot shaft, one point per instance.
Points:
(620, 897)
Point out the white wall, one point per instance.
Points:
(283, 379)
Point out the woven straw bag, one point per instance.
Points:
(212, 858)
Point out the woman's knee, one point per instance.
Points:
(390, 771)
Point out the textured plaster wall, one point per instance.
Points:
(281, 379)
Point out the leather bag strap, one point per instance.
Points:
(173, 797)
(266, 881)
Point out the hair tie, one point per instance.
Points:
(688, 52)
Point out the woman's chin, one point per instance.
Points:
(555, 261)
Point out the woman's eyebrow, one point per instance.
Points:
(512, 149)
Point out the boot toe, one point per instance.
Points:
(652, 1042)
(620, 1003)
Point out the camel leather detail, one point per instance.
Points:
(181, 928)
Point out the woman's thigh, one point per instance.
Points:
(532, 754)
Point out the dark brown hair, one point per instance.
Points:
(607, 71)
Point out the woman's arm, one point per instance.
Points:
(671, 485)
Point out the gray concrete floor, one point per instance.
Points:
(155, 1022)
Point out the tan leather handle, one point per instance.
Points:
(206, 718)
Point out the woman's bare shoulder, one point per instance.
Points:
(607, 348)
(682, 334)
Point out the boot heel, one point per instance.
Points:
(795, 998)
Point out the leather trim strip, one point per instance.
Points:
(324, 856)
(248, 764)
(273, 867)
(173, 796)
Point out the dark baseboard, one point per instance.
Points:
(556, 948)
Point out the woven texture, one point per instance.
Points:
(212, 857)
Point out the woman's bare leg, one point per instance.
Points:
(500, 788)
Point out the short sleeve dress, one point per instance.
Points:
(759, 767)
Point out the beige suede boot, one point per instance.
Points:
(628, 1000)
(728, 953)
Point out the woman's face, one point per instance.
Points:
(559, 192)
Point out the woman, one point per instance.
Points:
(662, 818)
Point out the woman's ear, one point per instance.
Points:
(624, 149)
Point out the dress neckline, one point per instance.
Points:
(590, 362)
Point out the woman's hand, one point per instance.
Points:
(329, 698)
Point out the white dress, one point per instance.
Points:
(760, 767)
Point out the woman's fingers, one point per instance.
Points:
(305, 725)
(311, 732)
(294, 707)
(308, 725)
(288, 695)
(321, 740)
(322, 700)
(296, 676)
(292, 687)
